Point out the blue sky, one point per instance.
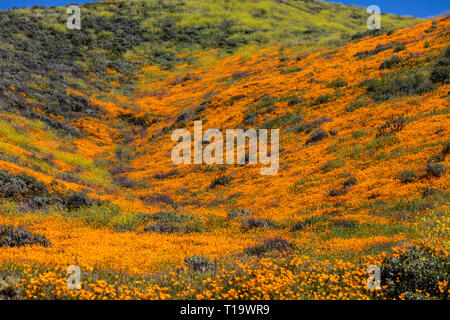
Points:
(417, 8)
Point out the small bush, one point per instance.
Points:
(12, 237)
(98, 214)
(416, 269)
(317, 135)
(392, 62)
(358, 103)
(164, 175)
(295, 100)
(198, 263)
(440, 74)
(268, 245)
(429, 192)
(77, 200)
(14, 186)
(399, 47)
(392, 126)
(169, 222)
(321, 100)
(331, 165)
(333, 133)
(250, 119)
(334, 193)
(128, 221)
(157, 198)
(9, 287)
(238, 213)
(436, 169)
(446, 148)
(160, 227)
(291, 70)
(350, 182)
(300, 225)
(397, 86)
(221, 181)
(256, 223)
(338, 83)
(310, 126)
(441, 70)
(437, 158)
(407, 176)
(379, 48)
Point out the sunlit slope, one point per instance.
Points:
(41, 58)
(361, 188)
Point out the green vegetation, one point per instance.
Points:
(33, 46)
(415, 274)
(19, 237)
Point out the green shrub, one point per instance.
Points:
(446, 148)
(8, 286)
(399, 47)
(338, 83)
(156, 198)
(392, 62)
(436, 169)
(128, 221)
(295, 100)
(429, 192)
(277, 244)
(161, 227)
(198, 263)
(98, 214)
(256, 223)
(358, 103)
(441, 70)
(310, 126)
(397, 85)
(407, 176)
(221, 181)
(250, 119)
(169, 222)
(331, 165)
(334, 193)
(439, 157)
(77, 200)
(379, 48)
(238, 213)
(440, 74)
(12, 237)
(391, 127)
(291, 70)
(317, 135)
(417, 268)
(349, 182)
(300, 225)
(13, 186)
(321, 99)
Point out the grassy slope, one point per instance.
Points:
(120, 151)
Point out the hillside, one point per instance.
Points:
(85, 146)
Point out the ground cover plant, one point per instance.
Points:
(86, 176)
